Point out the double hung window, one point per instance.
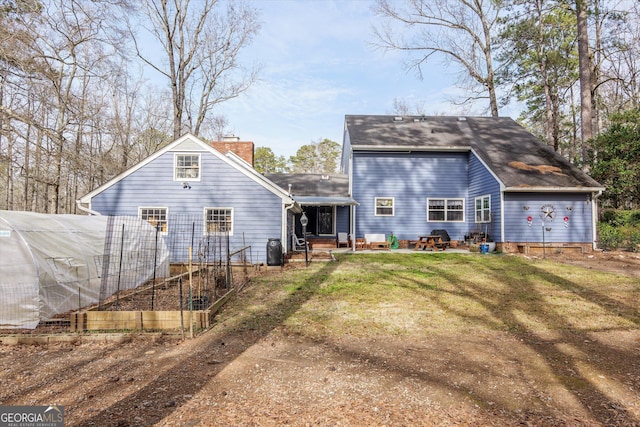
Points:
(451, 210)
(157, 217)
(219, 220)
(384, 206)
(483, 209)
(187, 167)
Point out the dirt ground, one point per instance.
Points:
(625, 263)
(253, 376)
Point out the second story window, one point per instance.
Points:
(187, 167)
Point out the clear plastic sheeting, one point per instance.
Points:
(53, 264)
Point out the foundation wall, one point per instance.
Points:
(537, 248)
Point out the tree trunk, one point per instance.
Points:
(548, 95)
(9, 201)
(488, 57)
(2, 130)
(27, 168)
(586, 112)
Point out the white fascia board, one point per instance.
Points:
(242, 165)
(554, 189)
(233, 156)
(409, 148)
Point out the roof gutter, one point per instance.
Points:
(408, 149)
(554, 189)
(87, 210)
(354, 203)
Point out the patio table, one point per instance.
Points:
(431, 241)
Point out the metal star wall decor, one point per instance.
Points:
(547, 212)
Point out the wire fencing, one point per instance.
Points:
(188, 267)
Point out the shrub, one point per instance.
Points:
(634, 241)
(619, 217)
(610, 237)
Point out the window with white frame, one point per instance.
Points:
(218, 220)
(483, 208)
(157, 217)
(187, 167)
(384, 206)
(451, 210)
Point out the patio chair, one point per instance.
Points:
(298, 243)
(343, 240)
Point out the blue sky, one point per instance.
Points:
(317, 66)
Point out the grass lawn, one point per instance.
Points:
(497, 331)
(386, 294)
(379, 339)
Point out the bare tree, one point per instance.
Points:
(201, 47)
(586, 82)
(55, 69)
(459, 30)
(402, 107)
(617, 65)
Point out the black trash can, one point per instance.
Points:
(274, 252)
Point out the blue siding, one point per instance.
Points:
(257, 211)
(342, 219)
(576, 206)
(410, 178)
(482, 183)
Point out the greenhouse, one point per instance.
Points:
(54, 264)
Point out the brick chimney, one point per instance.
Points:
(243, 149)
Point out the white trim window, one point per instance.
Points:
(385, 206)
(483, 209)
(218, 221)
(186, 167)
(156, 216)
(445, 210)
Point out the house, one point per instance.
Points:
(470, 176)
(325, 200)
(196, 196)
(475, 177)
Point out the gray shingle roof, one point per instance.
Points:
(312, 184)
(519, 160)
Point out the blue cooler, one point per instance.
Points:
(484, 248)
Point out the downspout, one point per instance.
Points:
(285, 217)
(353, 226)
(87, 210)
(502, 219)
(353, 207)
(594, 216)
